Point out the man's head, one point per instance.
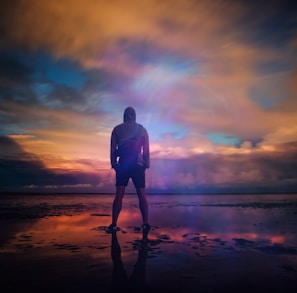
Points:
(129, 114)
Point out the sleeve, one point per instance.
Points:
(146, 150)
(113, 150)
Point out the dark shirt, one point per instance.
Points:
(129, 145)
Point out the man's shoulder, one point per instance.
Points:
(139, 125)
(142, 128)
(125, 127)
(119, 126)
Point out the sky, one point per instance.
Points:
(213, 82)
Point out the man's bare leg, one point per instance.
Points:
(143, 204)
(117, 204)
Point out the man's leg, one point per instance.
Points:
(143, 204)
(117, 204)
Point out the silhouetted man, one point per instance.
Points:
(129, 156)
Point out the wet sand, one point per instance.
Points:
(236, 243)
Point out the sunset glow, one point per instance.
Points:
(215, 91)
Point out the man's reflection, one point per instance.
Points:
(120, 280)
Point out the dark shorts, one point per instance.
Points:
(137, 174)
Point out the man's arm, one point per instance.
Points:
(113, 151)
(146, 150)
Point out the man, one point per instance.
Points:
(129, 156)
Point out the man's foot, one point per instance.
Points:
(146, 227)
(112, 228)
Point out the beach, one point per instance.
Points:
(198, 243)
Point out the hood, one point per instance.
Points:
(129, 114)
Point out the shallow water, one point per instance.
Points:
(196, 242)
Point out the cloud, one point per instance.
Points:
(86, 29)
(125, 37)
(260, 171)
(21, 170)
(208, 86)
(13, 72)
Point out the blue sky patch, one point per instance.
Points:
(58, 71)
(222, 138)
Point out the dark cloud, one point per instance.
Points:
(36, 79)
(7, 13)
(13, 68)
(15, 80)
(19, 170)
(62, 97)
(29, 96)
(254, 172)
(277, 23)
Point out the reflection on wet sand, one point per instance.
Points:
(195, 244)
(120, 281)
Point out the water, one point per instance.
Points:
(193, 238)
